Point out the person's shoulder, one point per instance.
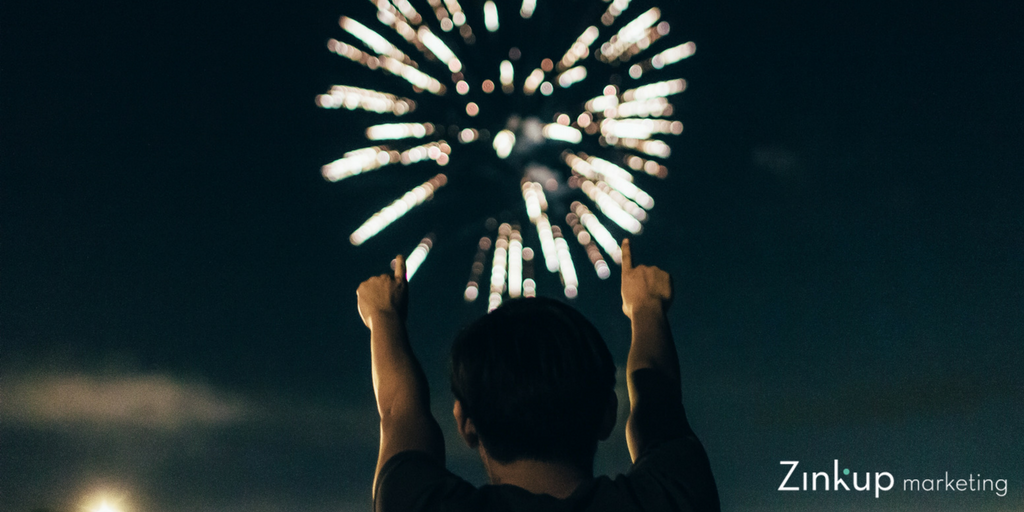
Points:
(671, 475)
(670, 452)
(413, 481)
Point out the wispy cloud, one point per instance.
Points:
(154, 434)
(150, 401)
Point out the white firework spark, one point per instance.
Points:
(494, 115)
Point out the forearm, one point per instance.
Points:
(398, 380)
(403, 396)
(652, 348)
(652, 378)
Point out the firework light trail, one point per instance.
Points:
(572, 119)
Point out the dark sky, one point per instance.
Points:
(178, 329)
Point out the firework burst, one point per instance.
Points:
(557, 126)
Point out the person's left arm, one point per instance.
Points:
(403, 396)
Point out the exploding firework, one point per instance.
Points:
(548, 122)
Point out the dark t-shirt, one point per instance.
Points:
(671, 476)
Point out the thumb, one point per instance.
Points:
(627, 256)
(400, 267)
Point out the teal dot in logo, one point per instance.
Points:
(846, 471)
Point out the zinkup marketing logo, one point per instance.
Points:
(882, 481)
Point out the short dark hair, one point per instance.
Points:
(535, 377)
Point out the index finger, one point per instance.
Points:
(627, 256)
(400, 267)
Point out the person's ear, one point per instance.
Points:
(611, 413)
(466, 427)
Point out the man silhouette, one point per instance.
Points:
(534, 394)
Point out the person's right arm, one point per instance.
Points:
(403, 396)
(652, 370)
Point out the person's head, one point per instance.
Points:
(533, 379)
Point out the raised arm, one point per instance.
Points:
(403, 396)
(652, 370)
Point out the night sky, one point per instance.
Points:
(178, 328)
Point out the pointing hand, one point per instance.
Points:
(386, 294)
(643, 286)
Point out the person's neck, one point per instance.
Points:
(539, 477)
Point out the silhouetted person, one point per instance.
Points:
(534, 394)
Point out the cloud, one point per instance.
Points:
(148, 436)
(150, 401)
